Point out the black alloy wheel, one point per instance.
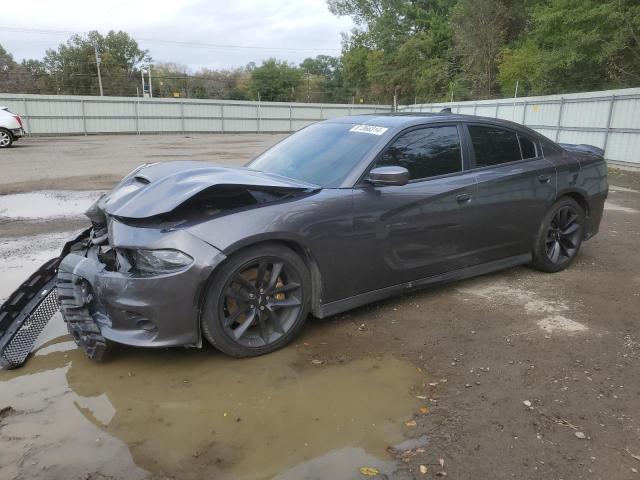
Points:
(261, 302)
(563, 235)
(559, 237)
(257, 302)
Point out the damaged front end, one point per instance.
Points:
(137, 276)
(27, 311)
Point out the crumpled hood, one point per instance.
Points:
(154, 189)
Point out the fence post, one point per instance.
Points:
(222, 117)
(559, 118)
(137, 105)
(84, 117)
(259, 114)
(182, 115)
(609, 118)
(26, 116)
(497, 108)
(290, 118)
(475, 109)
(524, 112)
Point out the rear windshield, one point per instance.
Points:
(323, 154)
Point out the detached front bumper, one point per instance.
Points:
(149, 311)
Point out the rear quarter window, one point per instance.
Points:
(549, 148)
(528, 147)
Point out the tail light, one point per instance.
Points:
(17, 117)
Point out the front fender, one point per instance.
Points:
(321, 224)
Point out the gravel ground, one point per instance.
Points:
(524, 375)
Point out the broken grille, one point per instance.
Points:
(21, 344)
(26, 312)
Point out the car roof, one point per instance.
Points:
(399, 120)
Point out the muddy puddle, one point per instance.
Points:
(46, 204)
(198, 414)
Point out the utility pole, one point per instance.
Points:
(142, 76)
(395, 98)
(95, 49)
(515, 95)
(150, 84)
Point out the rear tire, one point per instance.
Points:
(257, 302)
(6, 138)
(559, 237)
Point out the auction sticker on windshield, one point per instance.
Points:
(370, 129)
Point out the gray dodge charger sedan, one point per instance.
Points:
(340, 214)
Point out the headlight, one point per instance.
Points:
(154, 262)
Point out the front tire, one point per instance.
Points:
(559, 237)
(257, 302)
(6, 138)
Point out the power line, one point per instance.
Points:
(176, 43)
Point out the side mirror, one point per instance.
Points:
(383, 176)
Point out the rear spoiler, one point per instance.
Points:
(582, 147)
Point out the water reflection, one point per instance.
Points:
(190, 414)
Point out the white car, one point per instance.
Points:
(11, 128)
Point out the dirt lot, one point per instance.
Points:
(517, 374)
(94, 162)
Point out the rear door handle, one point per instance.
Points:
(464, 198)
(544, 178)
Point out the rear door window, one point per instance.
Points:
(493, 145)
(425, 152)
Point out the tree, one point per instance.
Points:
(576, 45)
(398, 46)
(480, 32)
(72, 67)
(420, 70)
(169, 79)
(7, 71)
(275, 81)
(6, 60)
(324, 78)
(20, 77)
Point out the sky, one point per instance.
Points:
(286, 29)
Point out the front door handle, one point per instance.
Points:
(464, 198)
(544, 178)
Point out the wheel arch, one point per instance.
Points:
(579, 197)
(298, 248)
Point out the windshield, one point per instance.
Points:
(322, 154)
